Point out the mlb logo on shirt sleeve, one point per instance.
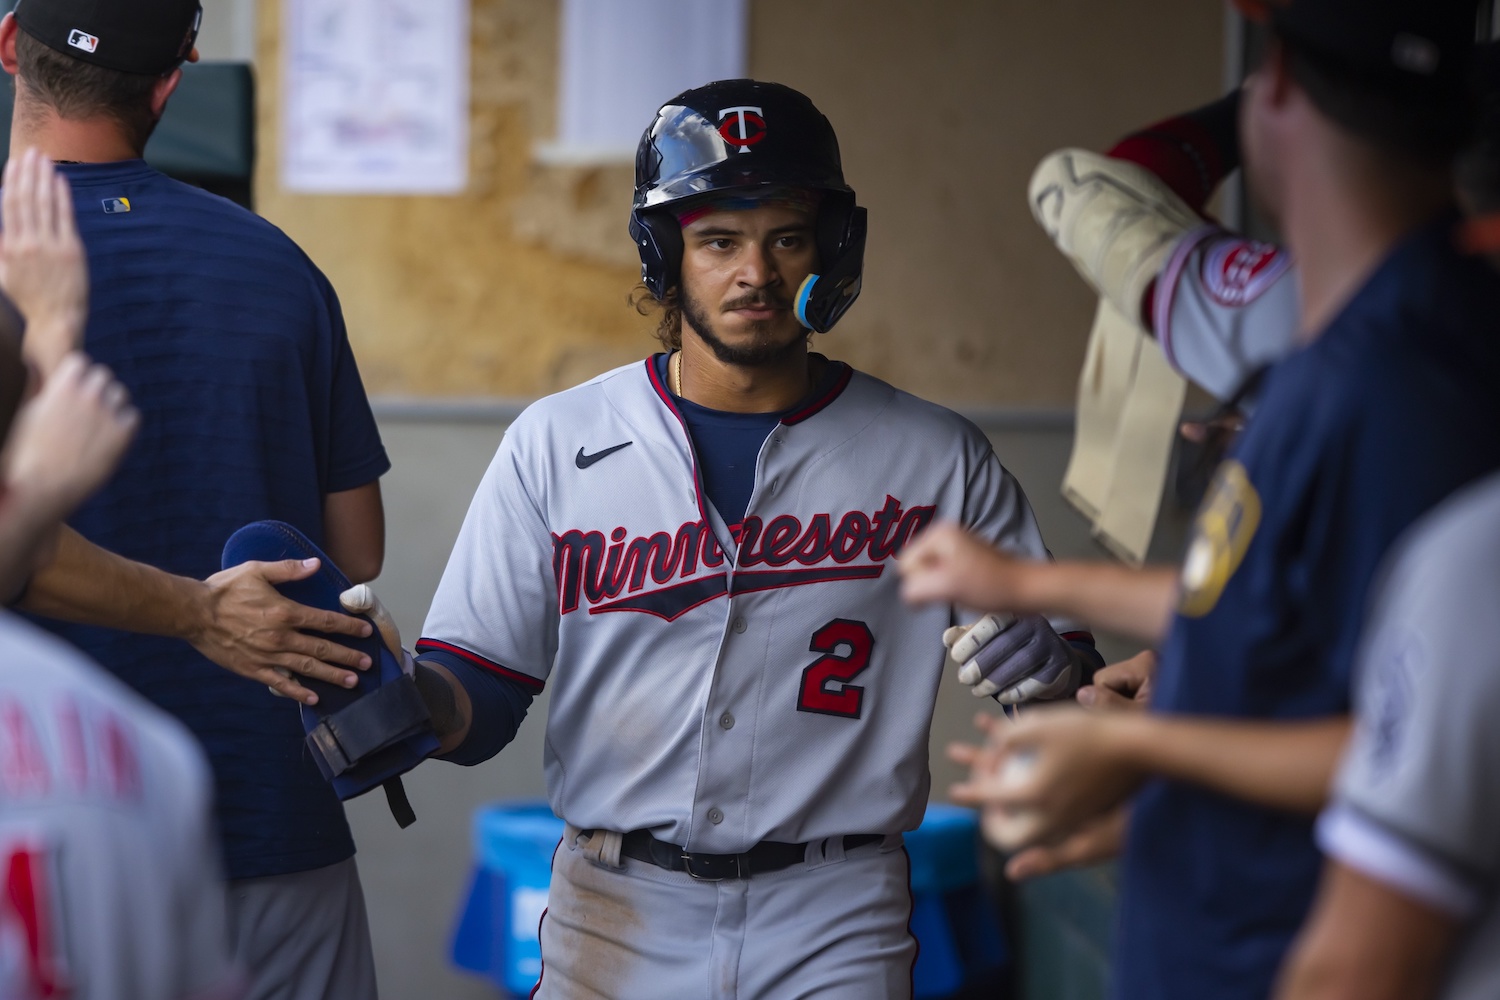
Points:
(115, 206)
(82, 40)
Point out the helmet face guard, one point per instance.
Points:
(740, 135)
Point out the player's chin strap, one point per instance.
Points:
(823, 298)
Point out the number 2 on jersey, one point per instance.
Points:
(846, 647)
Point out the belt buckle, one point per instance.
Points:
(701, 871)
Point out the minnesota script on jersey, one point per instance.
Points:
(722, 688)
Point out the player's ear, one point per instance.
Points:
(8, 31)
(162, 92)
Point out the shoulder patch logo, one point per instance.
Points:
(1237, 272)
(116, 206)
(82, 40)
(1226, 524)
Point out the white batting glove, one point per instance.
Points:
(1014, 659)
(360, 599)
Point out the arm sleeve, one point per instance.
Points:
(1191, 152)
(1224, 307)
(356, 455)
(499, 705)
(1417, 799)
(496, 607)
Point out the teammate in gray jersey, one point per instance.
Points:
(697, 552)
(112, 888)
(1407, 908)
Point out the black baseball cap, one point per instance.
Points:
(1396, 73)
(149, 37)
(1423, 45)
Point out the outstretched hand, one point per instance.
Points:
(68, 439)
(42, 263)
(946, 563)
(247, 627)
(1126, 684)
(1044, 776)
(1093, 842)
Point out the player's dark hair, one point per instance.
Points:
(75, 89)
(669, 326)
(1401, 118)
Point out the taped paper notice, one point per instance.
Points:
(375, 96)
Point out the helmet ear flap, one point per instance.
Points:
(827, 295)
(658, 238)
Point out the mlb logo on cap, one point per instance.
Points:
(115, 206)
(82, 40)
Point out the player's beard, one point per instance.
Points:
(763, 351)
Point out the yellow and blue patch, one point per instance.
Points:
(116, 206)
(1226, 524)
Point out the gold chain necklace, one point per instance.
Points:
(674, 372)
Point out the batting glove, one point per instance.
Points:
(1014, 659)
(361, 600)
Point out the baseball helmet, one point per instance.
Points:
(739, 135)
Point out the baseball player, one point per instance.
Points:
(1405, 909)
(112, 887)
(1355, 436)
(234, 348)
(696, 553)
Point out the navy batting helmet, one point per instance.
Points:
(735, 135)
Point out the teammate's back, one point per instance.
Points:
(112, 880)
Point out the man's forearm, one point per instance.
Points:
(1365, 941)
(448, 704)
(1137, 604)
(1280, 765)
(87, 584)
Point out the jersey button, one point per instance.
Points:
(715, 816)
(739, 625)
(726, 720)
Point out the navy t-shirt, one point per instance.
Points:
(233, 347)
(728, 444)
(1394, 407)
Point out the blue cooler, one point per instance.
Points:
(497, 936)
(953, 919)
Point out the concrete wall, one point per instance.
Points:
(414, 879)
(517, 286)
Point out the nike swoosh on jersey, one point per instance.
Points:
(584, 461)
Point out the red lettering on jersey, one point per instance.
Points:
(73, 744)
(1237, 272)
(122, 769)
(587, 569)
(24, 770)
(27, 910)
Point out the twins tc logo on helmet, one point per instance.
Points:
(1237, 272)
(742, 127)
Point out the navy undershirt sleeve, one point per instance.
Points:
(498, 703)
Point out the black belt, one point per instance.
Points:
(766, 856)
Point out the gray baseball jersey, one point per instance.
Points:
(1224, 307)
(721, 691)
(1417, 800)
(112, 880)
